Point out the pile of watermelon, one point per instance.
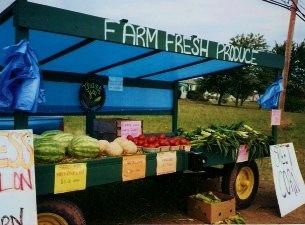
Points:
(54, 145)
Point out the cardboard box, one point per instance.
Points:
(212, 213)
(111, 128)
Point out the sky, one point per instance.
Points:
(215, 20)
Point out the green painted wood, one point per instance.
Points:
(21, 118)
(127, 82)
(6, 14)
(90, 116)
(175, 108)
(151, 164)
(99, 171)
(44, 178)
(35, 16)
(104, 171)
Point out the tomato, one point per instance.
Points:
(172, 141)
(161, 136)
(145, 145)
(141, 142)
(183, 141)
(151, 139)
(129, 137)
(141, 137)
(151, 145)
(166, 143)
(162, 142)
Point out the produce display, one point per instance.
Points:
(56, 146)
(226, 140)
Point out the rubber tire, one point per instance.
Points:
(229, 178)
(67, 210)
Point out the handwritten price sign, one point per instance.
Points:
(289, 184)
(70, 177)
(133, 128)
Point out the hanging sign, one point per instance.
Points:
(288, 181)
(243, 154)
(276, 117)
(17, 178)
(70, 177)
(166, 162)
(115, 83)
(92, 94)
(134, 167)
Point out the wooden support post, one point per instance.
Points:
(175, 107)
(288, 53)
(21, 118)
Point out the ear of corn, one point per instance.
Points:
(227, 139)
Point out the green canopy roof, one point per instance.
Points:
(80, 44)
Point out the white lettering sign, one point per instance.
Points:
(289, 184)
(146, 37)
(235, 54)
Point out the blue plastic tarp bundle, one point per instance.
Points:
(270, 99)
(20, 80)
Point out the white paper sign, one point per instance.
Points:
(17, 178)
(133, 128)
(115, 83)
(288, 181)
(276, 117)
(243, 154)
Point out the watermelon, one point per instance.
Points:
(47, 150)
(84, 147)
(50, 133)
(63, 138)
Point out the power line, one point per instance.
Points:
(286, 5)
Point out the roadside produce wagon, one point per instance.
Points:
(95, 66)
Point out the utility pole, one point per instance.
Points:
(293, 11)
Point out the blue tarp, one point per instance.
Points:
(20, 80)
(270, 99)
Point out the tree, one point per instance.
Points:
(241, 82)
(251, 78)
(215, 83)
(295, 93)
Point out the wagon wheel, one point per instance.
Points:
(56, 211)
(241, 181)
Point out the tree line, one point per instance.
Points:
(244, 82)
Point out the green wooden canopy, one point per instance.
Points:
(72, 42)
(71, 45)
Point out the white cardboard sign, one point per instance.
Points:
(288, 181)
(17, 178)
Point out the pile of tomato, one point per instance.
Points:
(156, 141)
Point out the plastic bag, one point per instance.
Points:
(270, 99)
(20, 80)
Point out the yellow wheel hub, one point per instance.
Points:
(51, 219)
(244, 182)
